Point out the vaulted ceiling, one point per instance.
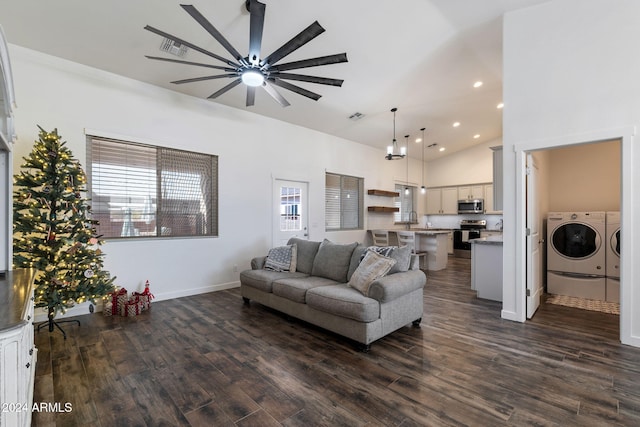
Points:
(421, 56)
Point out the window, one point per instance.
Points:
(344, 201)
(145, 191)
(406, 204)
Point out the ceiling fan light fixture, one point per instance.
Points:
(252, 77)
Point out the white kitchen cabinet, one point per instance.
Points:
(489, 201)
(442, 200)
(497, 179)
(470, 192)
(450, 243)
(486, 269)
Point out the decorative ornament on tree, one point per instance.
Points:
(49, 208)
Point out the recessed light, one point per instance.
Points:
(500, 105)
(477, 84)
(442, 149)
(456, 124)
(418, 140)
(476, 136)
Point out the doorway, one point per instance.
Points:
(290, 211)
(580, 177)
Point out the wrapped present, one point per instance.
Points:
(131, 308)
(107, 308)
(118, 300)
(145, 296)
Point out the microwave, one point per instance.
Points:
(475, 206)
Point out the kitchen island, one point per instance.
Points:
(486, 267)
(433, 242)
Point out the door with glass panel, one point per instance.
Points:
(290, 211)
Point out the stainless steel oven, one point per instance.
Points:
(469, 229)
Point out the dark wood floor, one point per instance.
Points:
(208, 360)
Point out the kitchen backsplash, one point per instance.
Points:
(494, 222)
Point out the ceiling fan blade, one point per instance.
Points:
(191, 45)
(275, 94)
(304, 37)
(198, 64)
(195, 14)
(201, 79)
(313, 62)
(255, 30)
(296, 89)
(251, 95)
(309, 79)
(225, 89)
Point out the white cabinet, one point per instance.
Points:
(489, 201)
(450, 243)
(470, 192)
(486, 270)
(442, 200)
(17, 350)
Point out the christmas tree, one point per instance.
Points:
(53, 232)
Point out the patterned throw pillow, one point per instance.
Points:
(372, 267)
(282, 258)
(381, 250)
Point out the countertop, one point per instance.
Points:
(489, 240)
(15, 288)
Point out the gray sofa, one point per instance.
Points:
(317, 291)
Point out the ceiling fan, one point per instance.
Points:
(254, 70)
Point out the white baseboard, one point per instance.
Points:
(80, 309)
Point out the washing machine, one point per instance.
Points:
(576, 254)
(613, 257)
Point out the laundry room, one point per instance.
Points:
(579, 199)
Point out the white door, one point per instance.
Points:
(534, 240)
(290, 211)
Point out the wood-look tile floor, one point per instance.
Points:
(208, 360)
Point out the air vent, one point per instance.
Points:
(173, 48)
(356, 116)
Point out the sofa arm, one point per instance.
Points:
(390, 287)
(257, 263)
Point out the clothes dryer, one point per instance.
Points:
(576, 254)
(613, 256)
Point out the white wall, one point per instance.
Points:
(253, 150)
(571, 76)
(470, 166)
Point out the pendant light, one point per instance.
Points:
(391, 149)
(423, 189)
(406, 188)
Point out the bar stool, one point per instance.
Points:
(408, 238)
(380, 237)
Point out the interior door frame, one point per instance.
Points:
(629, 272)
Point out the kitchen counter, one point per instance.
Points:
(433, 242)
(489, 240)
(15, 294)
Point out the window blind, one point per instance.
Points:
(145, 191)
(344, 201)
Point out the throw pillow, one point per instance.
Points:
(372, 267)
(382, 250)
(282, 258)
(332, 260)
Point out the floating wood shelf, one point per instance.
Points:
(383, 193)
(383, 209)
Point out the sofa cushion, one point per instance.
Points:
(332, 260)
(372, 267)
(263, 279)
(282, 258)
(402, 255)
(295, 289)
(307, 251)
(343, 301)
